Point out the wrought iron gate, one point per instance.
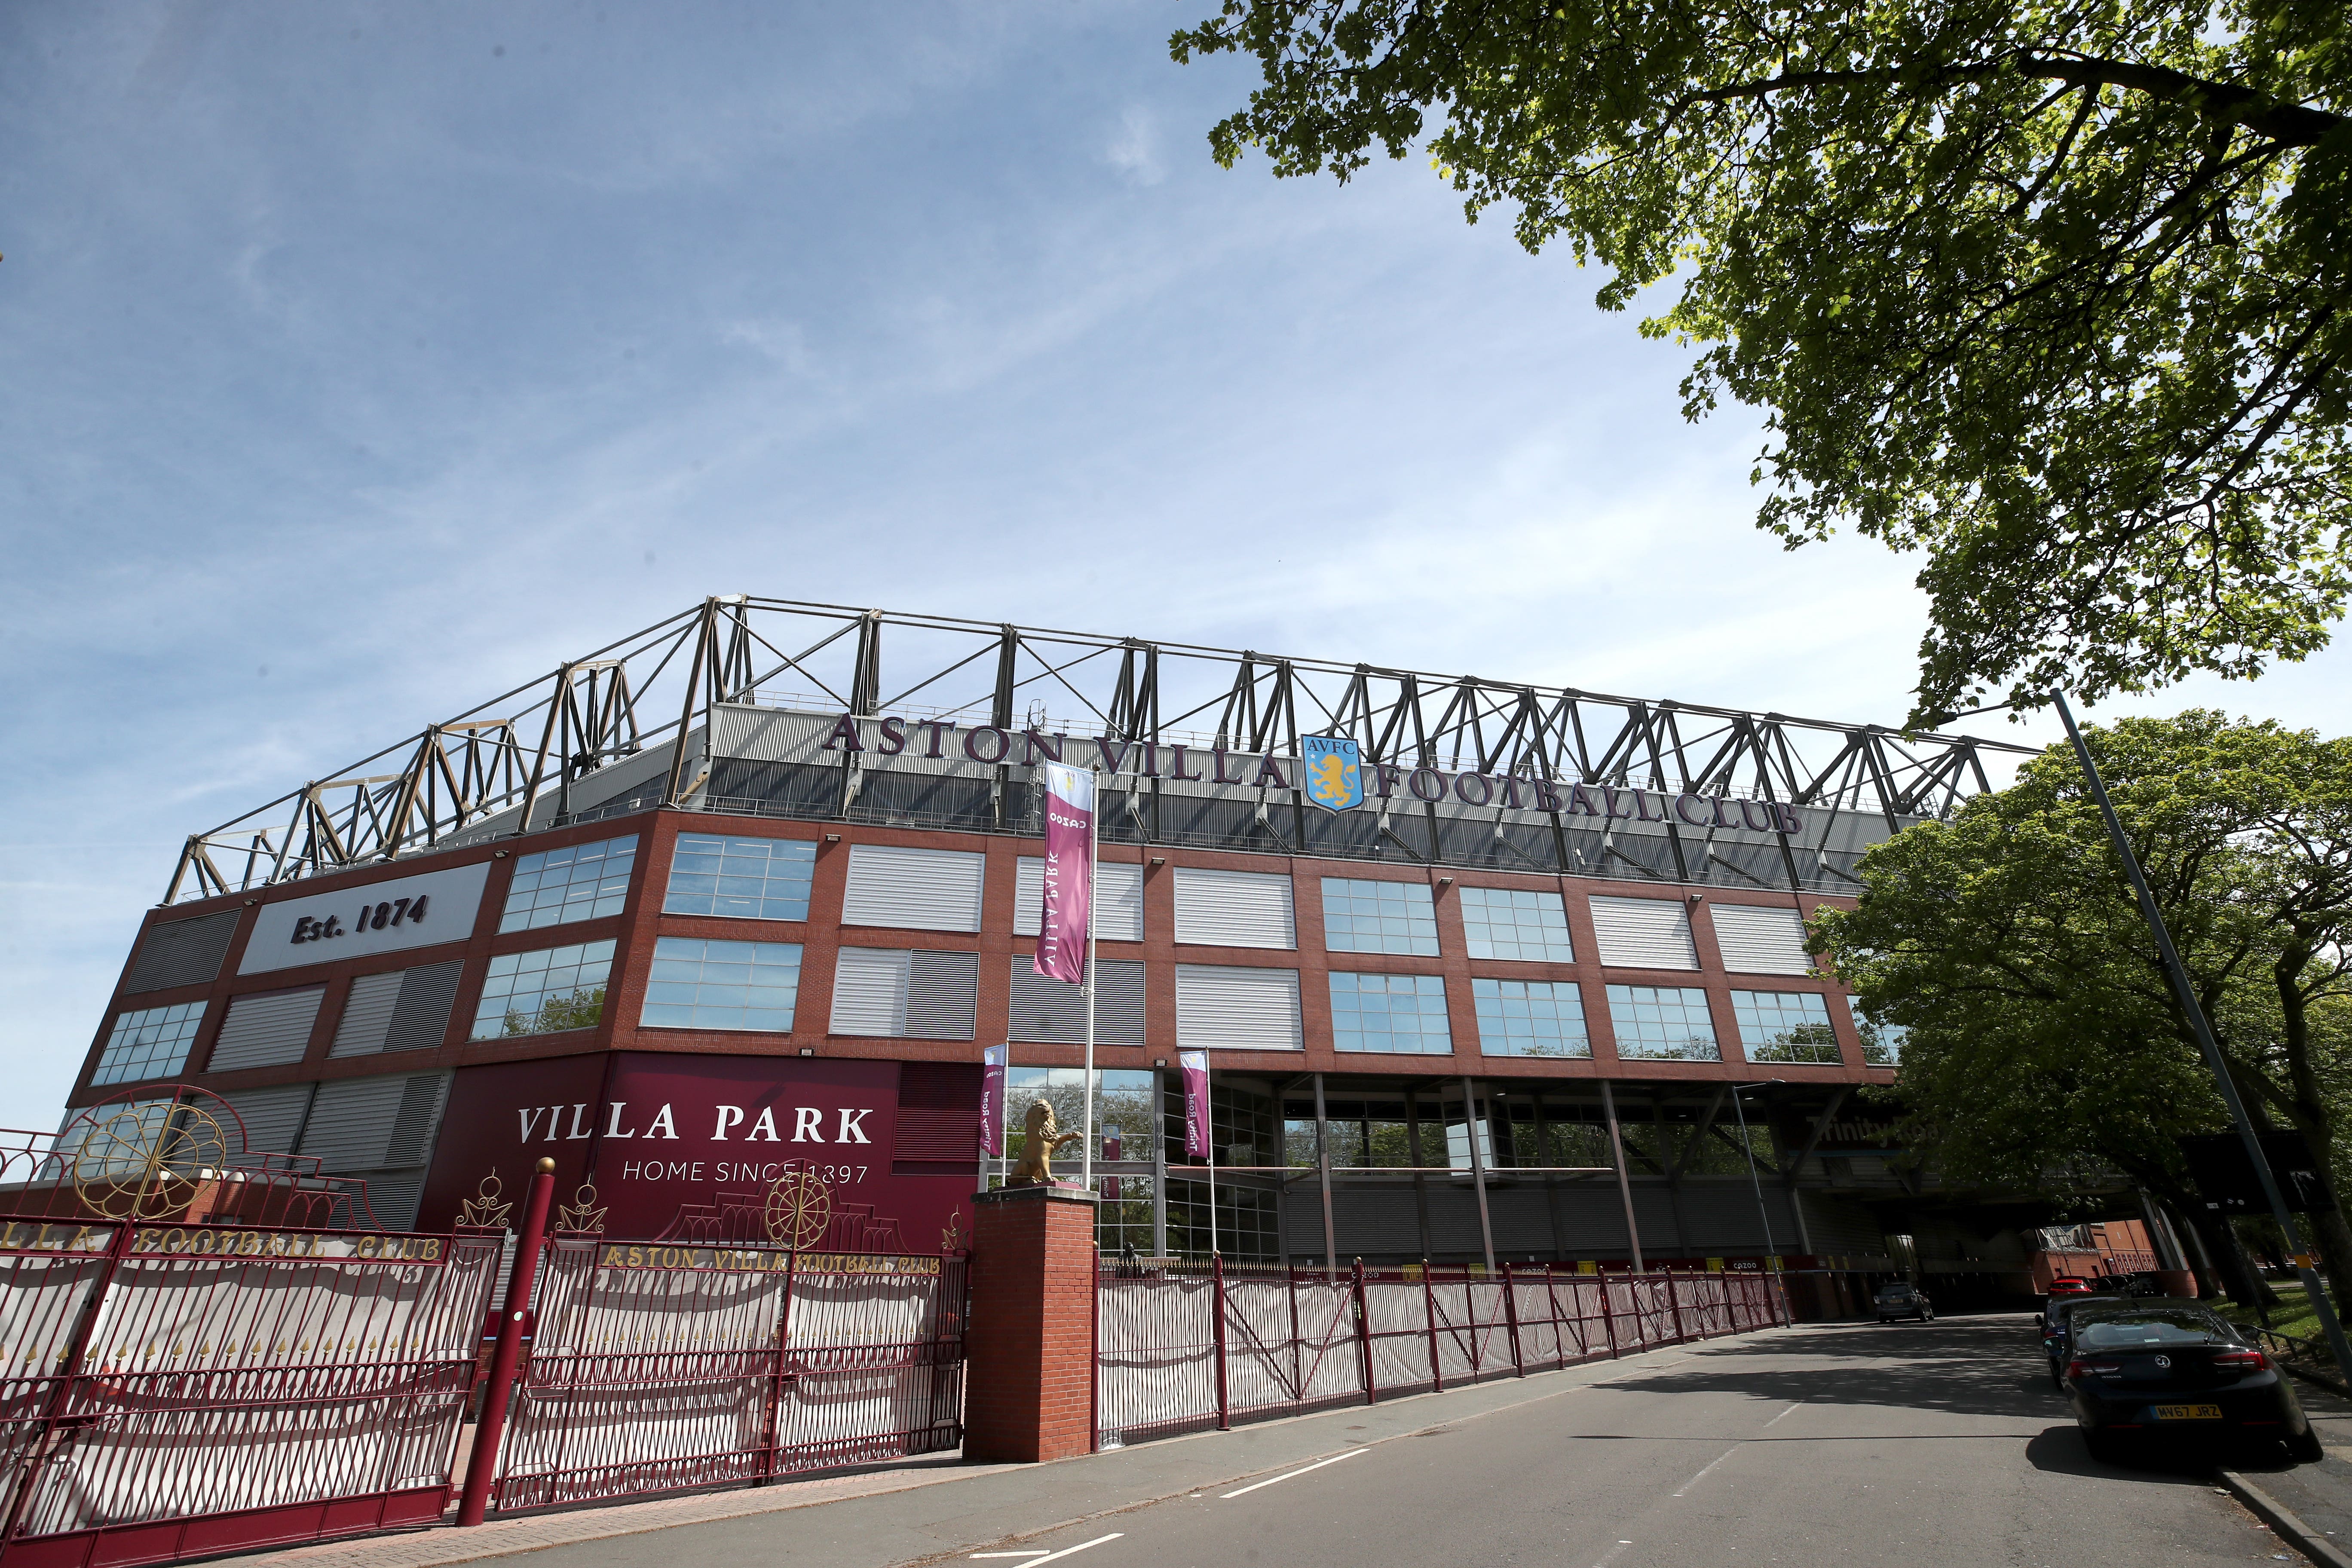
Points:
(176, 1391)
(657, 1368)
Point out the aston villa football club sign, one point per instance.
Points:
(1334, 770)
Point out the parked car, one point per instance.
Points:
(1900, 1300)
(2172, 1368)
(2058, 1315)
(2070, 1284)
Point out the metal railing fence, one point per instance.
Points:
(662, 1368)
(1186, 1347)
(178, 1391)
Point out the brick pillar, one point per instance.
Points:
(1030, 1341)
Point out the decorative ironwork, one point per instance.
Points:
(581, 1217)
(484, 1211)
(572, 744)
(143, 1161)
(799, 1207)
(952, 1237)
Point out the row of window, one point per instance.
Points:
(940, 889)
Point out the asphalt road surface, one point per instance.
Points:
(1886, 1447)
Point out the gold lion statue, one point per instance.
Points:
(1040, 1139)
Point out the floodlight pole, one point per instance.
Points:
(1753, 1180)
(2186, 994)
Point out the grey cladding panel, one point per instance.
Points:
(394, 1196)
(1050, 1010)
(181, 953)
(270, 1028)
(272, 1117)
(369, 1123)
(367, 1014)
(942, 995)
(421, 1020)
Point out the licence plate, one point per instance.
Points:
(2185, 1412)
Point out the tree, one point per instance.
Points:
(2044, 1032)
(2057, 291)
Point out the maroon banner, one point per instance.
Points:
(991, 1099)
(1069, 872)
(711, 1149)
(1195, 1066)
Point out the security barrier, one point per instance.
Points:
(1185, 1347)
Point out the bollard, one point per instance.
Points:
(482, 1465)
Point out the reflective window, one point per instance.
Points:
(1400, 1013)
(577, 882)
(1882, 1044)
(152, 1043)
(1663, 1022)
(1530, 1018)
(540, 993)
(1784, 1025)
(742, 879)
(1513, 922)
(722, 984)
(1377, 917)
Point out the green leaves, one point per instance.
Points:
(2056, 294)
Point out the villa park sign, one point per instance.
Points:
(1382, 784)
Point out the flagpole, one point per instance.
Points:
(1094, 895)
(1208, 1123)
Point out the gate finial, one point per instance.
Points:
(483, 1211)
(581, 1217)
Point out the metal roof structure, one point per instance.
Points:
(517, 760)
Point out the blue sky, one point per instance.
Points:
(359, 361)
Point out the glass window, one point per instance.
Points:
(578, 882)
(540, 993)
(742, 879)
(1663, 1022)
(1882, 1044)
(1512, 922)
(1377, 917)
(152, 1043)
(1784, 1025)
(1401, 1014)
(722, 984)
(1530, 1018)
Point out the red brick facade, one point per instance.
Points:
(1030, 1339)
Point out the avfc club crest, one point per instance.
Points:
(1335, 772)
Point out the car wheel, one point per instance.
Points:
(2305, 1447)
(2101, 1444)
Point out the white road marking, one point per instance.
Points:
(1776, 1418)
(1302, 1470)
(1034, 1551)
(1069, 1550)
(1702, 1474)
(1615, 1552)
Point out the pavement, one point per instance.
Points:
(2310, 1506)
(1932, 1444)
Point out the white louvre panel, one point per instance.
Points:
(1232, 908)
(913, 889)
(273, 1116)
(1052, 1010)
(869, 991)
(394, 1197)
(1218, 1008)
(367, 1016)
(421, 1020)
(270, 1029)
(1760, 940)
(942, 995)
(362, 1124)
(1643, 933)
(1118, 899)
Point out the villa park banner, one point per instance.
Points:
(711, 1152)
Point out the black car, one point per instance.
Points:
(1901, 1301)
(2057, 1318)
(2172, 1368)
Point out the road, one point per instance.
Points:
(1941, 1444)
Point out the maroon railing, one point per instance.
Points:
(182, 1391)
(661, 1368)
(1186, 1347)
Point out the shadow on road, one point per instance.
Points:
(1969, 1366)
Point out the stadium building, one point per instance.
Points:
(721, 917)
